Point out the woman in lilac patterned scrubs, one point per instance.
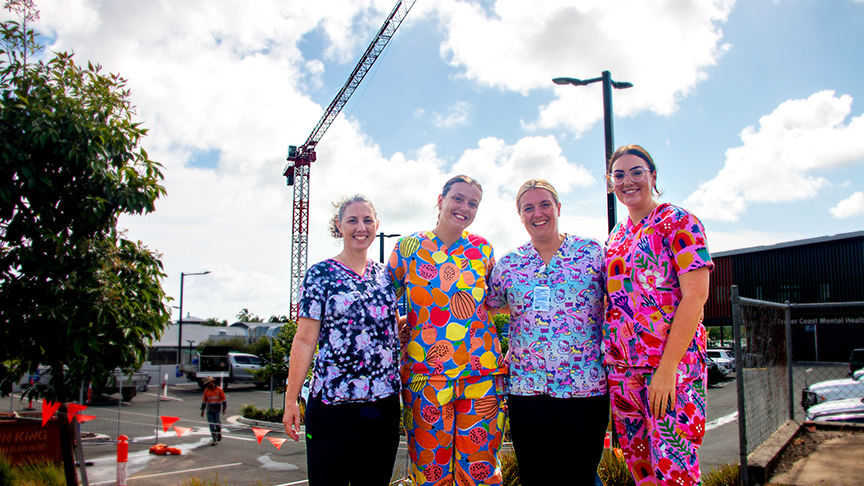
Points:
(348, 310)
(558, 401)
(657, 267)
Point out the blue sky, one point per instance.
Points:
(752, 110)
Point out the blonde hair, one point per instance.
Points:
(340, 212)
(535, 184)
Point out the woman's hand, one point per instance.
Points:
(291, 421)
(662, 391)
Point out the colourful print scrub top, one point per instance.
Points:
(556, 318)
(451, 335)
(643, 262)
(358, 347)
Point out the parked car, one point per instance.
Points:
(856, 360)
(831, 390)
(716, 372)
(847, 410)
(126, 384)
(723, 356)
(224, 366)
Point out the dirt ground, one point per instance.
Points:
(804, 444)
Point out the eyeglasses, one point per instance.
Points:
(636, 175)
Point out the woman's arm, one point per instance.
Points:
(694, 293)
(302, 350)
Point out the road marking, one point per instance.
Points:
(170, 473)
(305, 481)
(721, 421)
(271, 465)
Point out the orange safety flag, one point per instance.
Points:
(167, 422)
(48, 410)
(277, 442)
(260, 433)
(181, 430)
(72, 409)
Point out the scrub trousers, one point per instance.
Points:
(352, 443)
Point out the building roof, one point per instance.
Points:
(788, 244)
(195, 333)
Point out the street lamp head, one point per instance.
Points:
(621, 84)
(573, 81)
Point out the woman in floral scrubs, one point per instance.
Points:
(657, 268)
(453, 374)
(558, 401)
(348, 310)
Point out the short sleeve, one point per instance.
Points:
(397, 266)
(689, 245)
(313, 295)
(496, 296)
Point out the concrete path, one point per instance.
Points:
(837, 462)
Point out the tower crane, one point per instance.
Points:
(300, 158)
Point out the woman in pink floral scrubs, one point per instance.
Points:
(657, 269)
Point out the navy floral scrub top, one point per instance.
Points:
(358, 347)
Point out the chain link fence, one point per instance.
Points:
(781, 374)
(114, 413)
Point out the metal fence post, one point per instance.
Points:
(737, 322)
(788, 312)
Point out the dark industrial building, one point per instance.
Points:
(815, 270)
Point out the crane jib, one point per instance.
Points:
(296, 172)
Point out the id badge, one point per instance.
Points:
(542, 294)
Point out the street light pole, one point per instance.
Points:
(180, 320)
(608, 134)
(382, 236)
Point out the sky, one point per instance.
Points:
(752, 109)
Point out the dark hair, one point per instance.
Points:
(535, 184)
(340, 212)
(457, 179)
(638, 151)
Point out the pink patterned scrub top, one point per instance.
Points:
(643, 262)
(555, 318)
(451, 334)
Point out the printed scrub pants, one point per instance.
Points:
(457, 429)
(662, 452)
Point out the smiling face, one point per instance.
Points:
(635, 195)
(539, 213)
(459, 206)
(358, 226)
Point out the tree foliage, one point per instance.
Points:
(215, 322)
(75, 294)
(278, 366)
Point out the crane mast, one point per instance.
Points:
(300, 158)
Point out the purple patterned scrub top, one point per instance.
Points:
(358, 347)
(555, 318)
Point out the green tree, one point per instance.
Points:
(245, 316)
(75, 294)
(278, 366)
(215, 322)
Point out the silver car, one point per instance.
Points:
(831, 390)
(847, 410)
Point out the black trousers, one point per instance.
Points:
(352, 443)
(558, 440)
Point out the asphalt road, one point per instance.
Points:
(240, 460)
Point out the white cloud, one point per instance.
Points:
(849, 207)
(456, 116)
(719, 241)
(781, 160)
(661, 47)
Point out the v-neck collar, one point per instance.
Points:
(352, 272)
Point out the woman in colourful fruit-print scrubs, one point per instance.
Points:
(558, 400)
(657, 266)
(452, 375)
